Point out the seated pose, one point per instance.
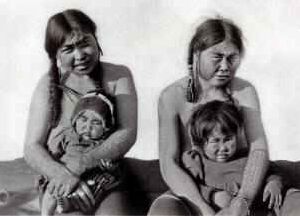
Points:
(92, 121)
(75, 70)
(216, 161)
(214, 54)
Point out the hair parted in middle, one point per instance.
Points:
(209, 33)
(59, 27)
(214, 113)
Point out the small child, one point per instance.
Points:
(217, 160)
(92, 122)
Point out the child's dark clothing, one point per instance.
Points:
(66, 146)
(219, 176)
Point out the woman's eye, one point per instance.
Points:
(83, 45)
(233, 58)
(66, 49)
(217, 57)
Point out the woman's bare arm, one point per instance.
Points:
(169, 153)
(259, 155)
(118, 143)
(62, 181)
(38, 128)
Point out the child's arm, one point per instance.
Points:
(192, 162)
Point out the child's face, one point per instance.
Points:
(220, 147)
(90, 125)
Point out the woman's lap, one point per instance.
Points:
(291, 204)
(116, 203)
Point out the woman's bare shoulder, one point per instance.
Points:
(42, 87)
(175, 92)
(245, 92)
(113, 72)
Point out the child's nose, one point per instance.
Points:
(223, 148)
(87, 126)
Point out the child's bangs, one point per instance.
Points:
(227, 124)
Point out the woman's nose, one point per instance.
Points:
(79, 54)
(224, 67)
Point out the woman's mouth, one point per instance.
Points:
(82, 65)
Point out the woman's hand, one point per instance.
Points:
(83, 199)
(62, 184)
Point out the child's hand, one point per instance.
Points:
(273, 192)
(62, 184)
(222, 199)
(192, 162)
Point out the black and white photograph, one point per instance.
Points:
(150, 107)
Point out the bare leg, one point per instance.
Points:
(116, 203)
(290, 206)
(169, 205)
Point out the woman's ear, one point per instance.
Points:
(58, 63)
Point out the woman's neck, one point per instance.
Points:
(80, 83)
(209, 92)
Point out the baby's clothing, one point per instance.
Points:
(66, 146)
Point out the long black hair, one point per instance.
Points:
(210, 33)
(59, 27)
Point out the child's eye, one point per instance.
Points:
(228, 138)
(214, 140)
(97, 123)
(82, 119)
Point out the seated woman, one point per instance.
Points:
(75, 70)
(214, 55)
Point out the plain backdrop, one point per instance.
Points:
(151, 38)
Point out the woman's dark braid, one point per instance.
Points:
(55, 94)
(193, 88)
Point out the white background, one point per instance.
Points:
(151, 37)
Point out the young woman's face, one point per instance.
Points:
(220, 147)
(217, 64)
(90, 125)
(78, 54)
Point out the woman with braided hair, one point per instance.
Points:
(76, 70)
(214, 55)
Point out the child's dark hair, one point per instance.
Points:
(59, 27)
(208, 34)
(215, 113)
